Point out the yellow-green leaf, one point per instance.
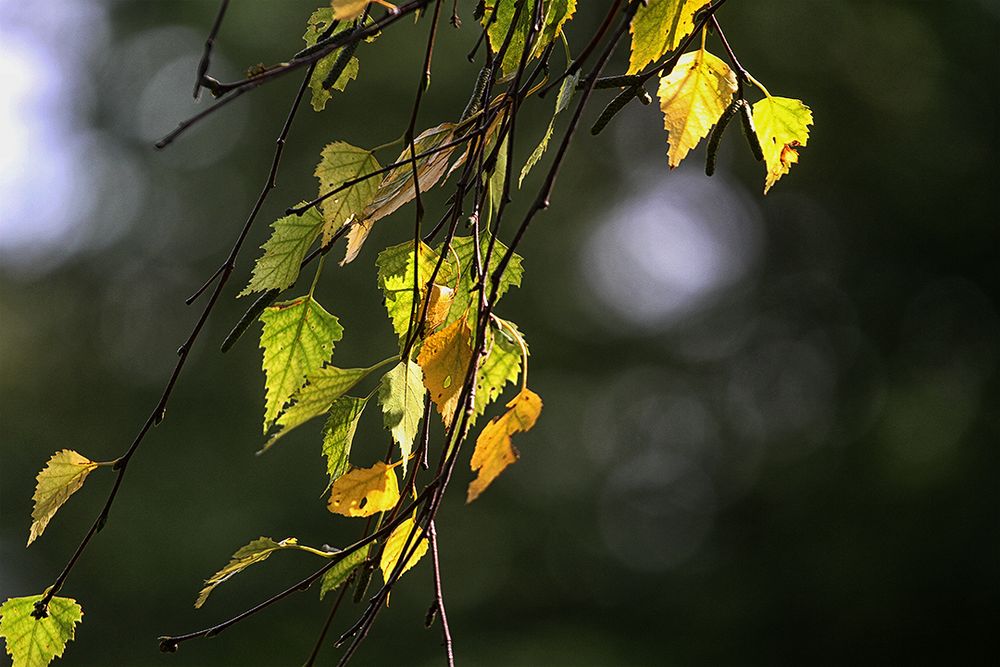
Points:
(364, 491)
(782, 125)
(395, 544)
(462, 253)
(396, 279)
(314, 398)
(556, 14)
(401, 394)
(566, 92)
(445, 358)
(345, 10)
(318, 23)
(500, 366)
(61, 477)
(33, 642)
(339, 163)
(494, 449)
(339, 573)
(693, 97)
(297, 339)
(254, 552)
(278, 267)
(659, 27)
(338, 434)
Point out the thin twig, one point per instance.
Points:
(206, 55)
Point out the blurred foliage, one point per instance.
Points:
(795, 466)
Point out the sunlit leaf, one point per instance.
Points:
(255, 552)
(566, 91)
(338, 434)
(445, 358)
(659, 27)
(339, 163)
(499, 367)
(284, 251)
(401, 394)
(297, 339)
(345, 10)
(693, 97)
(339, 573)
(364, 491)
(61, 477)
(556, 14)
(462, 253)
(33, 642)
(399, 544)
(782, 126)
(494, 449)
(315, 397)
(396, 279)
(318, 23)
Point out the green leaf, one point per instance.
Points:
(566, 92)
(318, 23)
(494, 185)
(341, 162)
(500, 367)
(659, 27)
(297, 339)
(462, 252)
(314, 398)
(33, 642)
(255, 552)
(401, 394)
(338, 434)
(278, 267)
(782, 125)
(61, 477)
(557, 12)
(339, 573)
(395, 278)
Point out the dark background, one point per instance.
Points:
(770, 427)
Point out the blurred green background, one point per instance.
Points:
(770, 428)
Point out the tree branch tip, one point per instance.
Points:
(168, 645)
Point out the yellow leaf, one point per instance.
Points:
(445, 358)
(782, 125)
(395, 545)
(438, 304)
(364, 491)
(659, 27)
(345, 10)
(61, 477)
(693, 97)
(494, 449)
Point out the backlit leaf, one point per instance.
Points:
(782, 126)
(338, 434)
(693, 97)
(500, 366)
(278, 268)
(401, 394)
(315, 397)
(339, 163)
(494, 449)
(33, 642)
(397, 545)
(395, 279)
(61, 477)
(364, 491)
(566, 91)
(297, 339)
(318, 23)
(255, 552)
(556, 14)
(339, 573)
(344, 10)
(659, 27)
(445, 358)
(462, 253)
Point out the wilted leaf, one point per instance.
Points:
(693, 97)
(364, 491)
(61, 477)
(395, 544)
(401, 394)
(659, 27)
(297, 339)
(494, 449)
(245, 556)
(445, 358)
(33, 642)
(338, 434)
(339, 163)
(782, 126)
(339, 573)
(278, 268)
(438, 304)
(315, 397)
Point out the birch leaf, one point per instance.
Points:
(317, 25)
(463, 253)
(316, 396)
(34, 642)
(364, 491)
(338, 434)
(345, 10)
(395, 545)
(566, 91)
(693, 97)
(556, 14)
(297, 339)
(278, 267)
(339, 163)
(501, 366)
(401, 394)
(254, 552)
(61, 477)
(339, 573)
(782, 126)
(494, 449)
(659, 27)
(445, 358)
(396, 278)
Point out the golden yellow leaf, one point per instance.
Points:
(438, 304)
(693, 97)
(395, 544)
(445, 358)
(494, 449)
(659, 27)
(345, 10)
(782, 125)
(61, 477)
(364, 491)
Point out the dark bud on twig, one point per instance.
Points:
(431, 614)
(40, 611)
(168, 645)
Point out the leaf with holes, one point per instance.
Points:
(782, 126)
(445, 358)
(364, 491)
